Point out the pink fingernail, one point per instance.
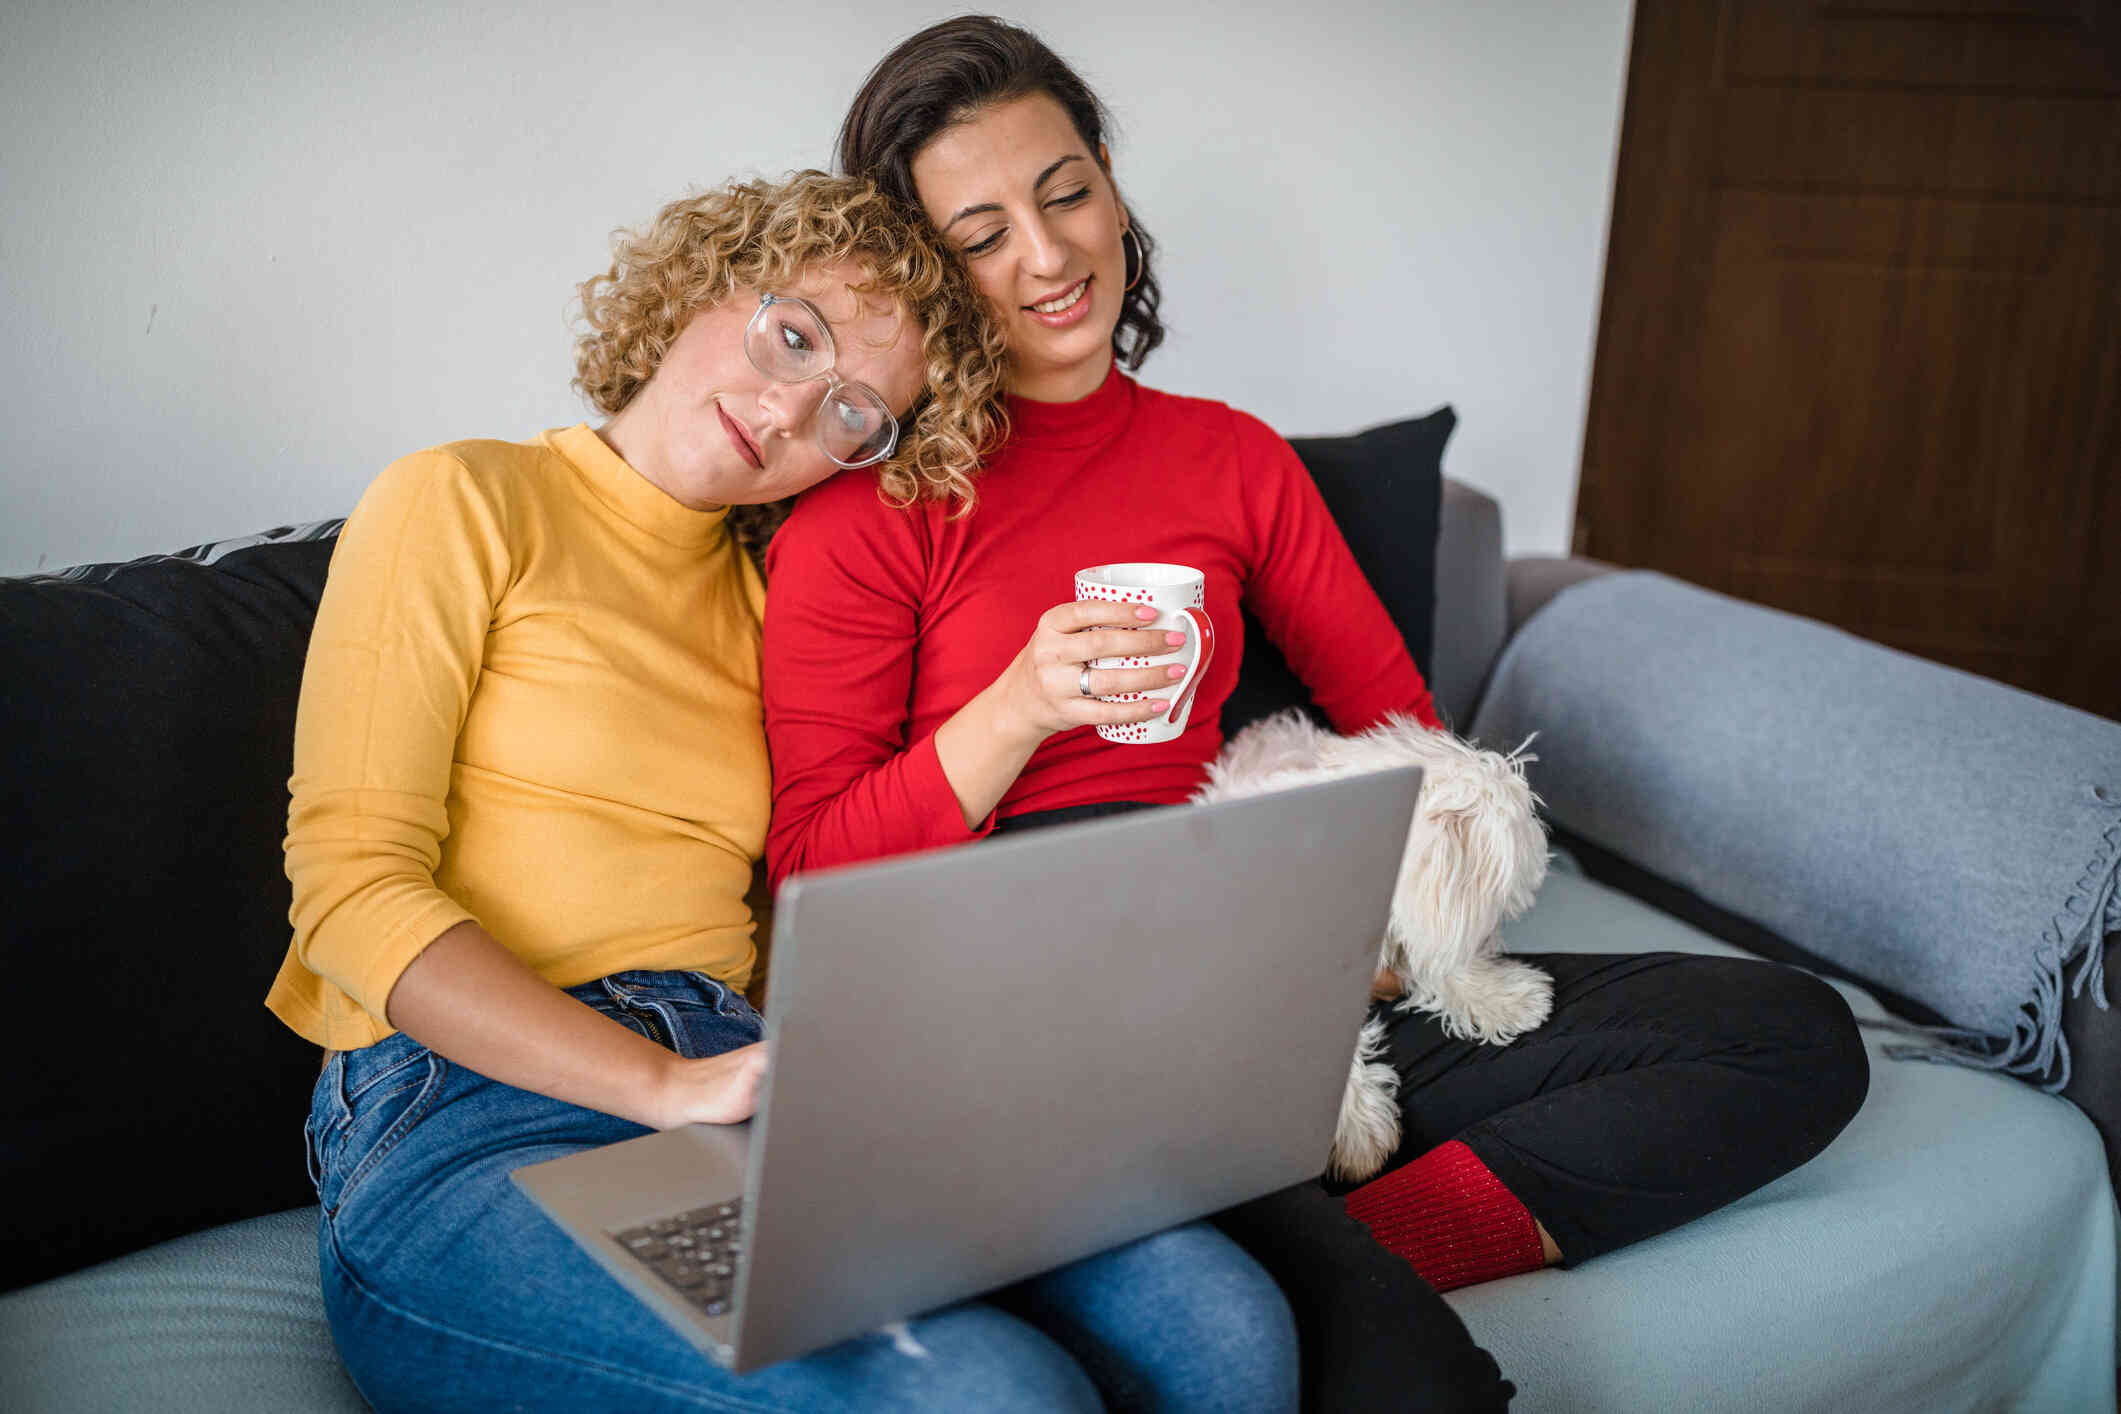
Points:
(1174, 672)
(1174, 639)
(1144, 612)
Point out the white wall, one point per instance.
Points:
(250, 252)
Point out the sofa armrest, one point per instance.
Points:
(1532, 580)
(1471, 613)
(1941, 836)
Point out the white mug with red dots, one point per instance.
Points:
(1178, 593)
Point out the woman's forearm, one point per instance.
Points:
(983, 749)
(1048, 688)
(473, 1002)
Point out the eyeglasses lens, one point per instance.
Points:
(854, 424)
(784, 342)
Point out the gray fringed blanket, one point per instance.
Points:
(1937, 833)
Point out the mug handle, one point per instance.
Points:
(1204, 644)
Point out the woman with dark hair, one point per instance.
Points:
(907, 709)
(940, 76)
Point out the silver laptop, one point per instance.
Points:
(989, 1062)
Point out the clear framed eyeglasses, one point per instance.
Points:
(790, 342)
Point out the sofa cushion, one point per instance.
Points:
(1885, 1273)
(1384, 488)
(221, 1321)
(141, 816)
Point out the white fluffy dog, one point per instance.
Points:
(1476, 855)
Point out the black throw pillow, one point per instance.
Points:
(1385, 489)
(149, 714)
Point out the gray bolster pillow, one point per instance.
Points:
(1928, 830)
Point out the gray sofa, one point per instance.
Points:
(1954, 1249)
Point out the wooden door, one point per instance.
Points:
(1860, 345)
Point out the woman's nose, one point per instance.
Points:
(790, 406)
(1045, 252)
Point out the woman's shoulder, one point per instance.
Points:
(848, 518)
(852, 503)
(484, 485)
(1248, 434)
(489, 466)
(845, 502)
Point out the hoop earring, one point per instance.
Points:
(1140, 261)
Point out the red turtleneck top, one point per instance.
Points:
(882, 623)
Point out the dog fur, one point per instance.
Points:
(1476, 856)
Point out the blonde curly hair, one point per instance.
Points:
(759, 235)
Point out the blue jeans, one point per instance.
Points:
(446, 1288)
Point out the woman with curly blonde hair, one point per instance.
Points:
(530, 786)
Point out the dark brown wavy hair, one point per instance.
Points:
(951, 72)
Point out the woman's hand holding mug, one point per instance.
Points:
(1178, 594)
(1102, 661)
(1045, 687)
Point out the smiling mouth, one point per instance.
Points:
(1063, 301)
(741, 438)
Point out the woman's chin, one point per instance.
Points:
(1060, 366)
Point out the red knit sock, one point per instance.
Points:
(1451, 1218)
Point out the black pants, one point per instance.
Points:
(1371, 1335)
(1663, 1086)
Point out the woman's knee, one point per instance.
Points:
(1843, 1068)
(1820, 1058)
(1239, 1317)
(968, 1357)
(1224, 1335)
(1183, 1319)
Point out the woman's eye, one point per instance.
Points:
(1072, 198)
(981, 247)
(794, 339)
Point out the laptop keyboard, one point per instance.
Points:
(694, 1252)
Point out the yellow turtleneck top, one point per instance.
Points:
(531, 699)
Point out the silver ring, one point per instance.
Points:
(1082, 682)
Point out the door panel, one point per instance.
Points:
(1861, 330)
